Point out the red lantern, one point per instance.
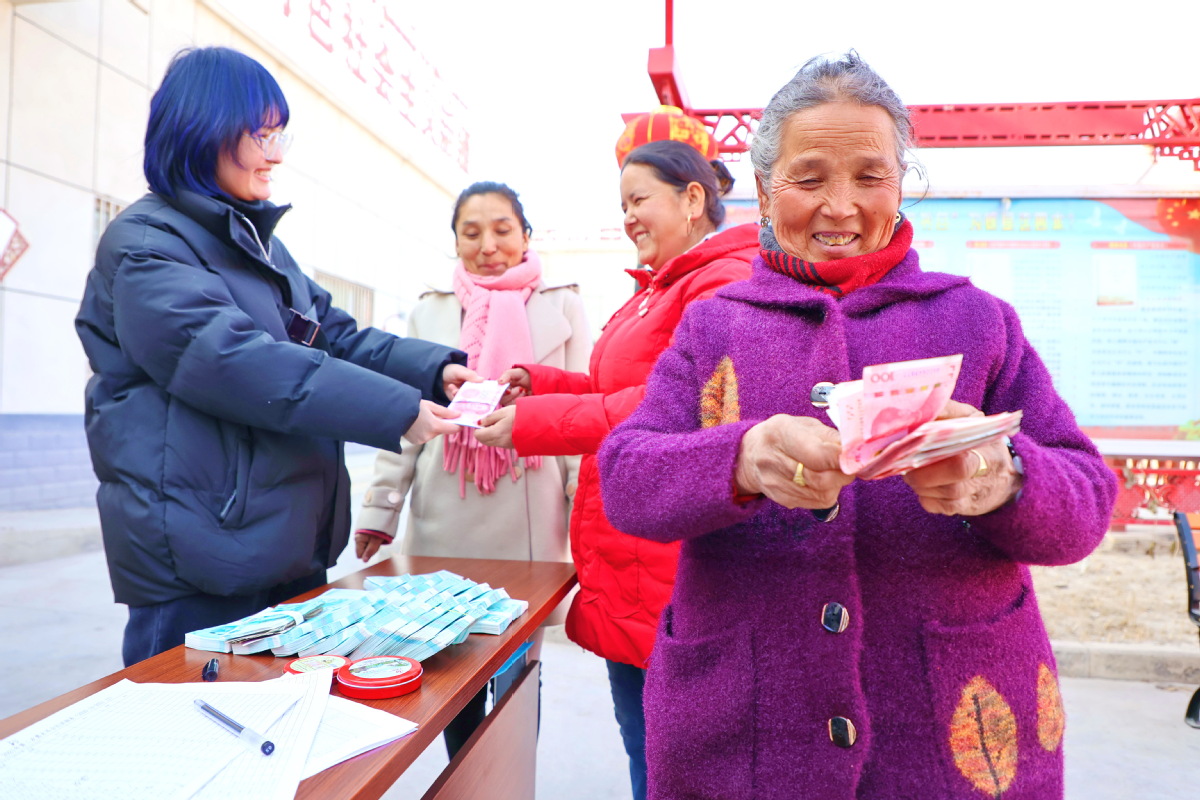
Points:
(667, 122)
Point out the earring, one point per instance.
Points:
(899, 217)
(764, 222)
(689, 230)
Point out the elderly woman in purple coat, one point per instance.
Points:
(829, 637)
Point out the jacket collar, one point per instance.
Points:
(226, 219)
(905, 281)
(739, 237)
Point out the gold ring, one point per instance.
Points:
(983, 465)
(798, 478)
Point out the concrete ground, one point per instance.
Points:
(60, 628)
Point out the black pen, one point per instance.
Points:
(209, 673)
(241, 731)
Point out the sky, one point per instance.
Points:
(546, 82)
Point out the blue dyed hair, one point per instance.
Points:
(209, 97)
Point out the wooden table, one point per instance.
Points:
(499, 760)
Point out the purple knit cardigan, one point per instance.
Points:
(941, 683)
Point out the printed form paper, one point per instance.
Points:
(349, 729)
(136, 741)
(277, 776)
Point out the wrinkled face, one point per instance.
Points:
(488, 235)
(657, 215)
(257, 154)
(835, 188)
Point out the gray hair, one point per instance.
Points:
(821, 81)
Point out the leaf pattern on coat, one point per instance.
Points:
(719, 399)
(983, 738)
(1050, 715)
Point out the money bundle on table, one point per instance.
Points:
(410, 615)
(443, 610)
(268, 622)
(334, 610)
(888, 420)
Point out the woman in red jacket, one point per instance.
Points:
(671, 199)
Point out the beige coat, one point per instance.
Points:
(522, 520)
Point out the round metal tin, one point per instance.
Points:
(313, 663)
(379, 676)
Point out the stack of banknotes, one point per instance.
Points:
(888, 420)
(268, 622)
(406, 615)
(439, 610)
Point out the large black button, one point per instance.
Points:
(834, 617)
(842, 732)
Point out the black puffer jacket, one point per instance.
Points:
(217, 439)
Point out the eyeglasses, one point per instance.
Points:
(273, 145)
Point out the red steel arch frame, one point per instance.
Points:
(1171, 127)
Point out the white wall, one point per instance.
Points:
(50, 161)
(76, 78)
(598, 269)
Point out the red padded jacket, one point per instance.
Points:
(624, 581)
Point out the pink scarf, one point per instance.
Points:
(495, 335)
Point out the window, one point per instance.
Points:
(106, 209)
(355, 299)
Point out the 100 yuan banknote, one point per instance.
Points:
(902, 396)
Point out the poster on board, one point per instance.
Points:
(1108, 292)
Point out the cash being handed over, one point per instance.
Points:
(888, 420)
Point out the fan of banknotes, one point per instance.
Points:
(888, 419)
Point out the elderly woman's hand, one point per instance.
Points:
(496, 428)
(970, 483)
(793, 461)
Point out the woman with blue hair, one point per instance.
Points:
(225, 380)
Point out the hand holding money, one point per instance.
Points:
(432, 421)
(520, 384)
(970, 483)
(475, 401)
(769, 455)
(892, 421)
(495, 430)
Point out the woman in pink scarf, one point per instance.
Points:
(467, 499)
